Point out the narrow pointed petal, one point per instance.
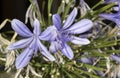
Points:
(67, 51)
(57, 21)
(110, 1)
(24, 58)
(86, 35)
(34, 46)
(55, 46)
(70, 19)
(79, 41)
(81, 26)
(37, 29)
(20, 28)
(115, 57)
(49, 34)
(109, 16)
(20, 44)
(112, 17)
(44, 51)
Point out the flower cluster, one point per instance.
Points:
(57, 35)
(66, 39)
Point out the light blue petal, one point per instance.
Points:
(23, 59)
(115, 57)
(86, 35)
(107, 16)
(80, 27)
(20, 44)
(37, 29)
(20, 28)
(70, 19)
(34, 45)
(44, 51)
(112, 17)
(86, 60)
(110, 1)
(36, 51)
(79, 41)
(49, 34)
(55, 46)
(67, 51)
(57, 21)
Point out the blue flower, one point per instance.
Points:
(31, 43)
(59, 35)
(112, 17)
(115, 57)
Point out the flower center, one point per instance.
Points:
(64, 36)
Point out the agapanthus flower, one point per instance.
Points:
(59, 35)
(31, 43)
(115, 17)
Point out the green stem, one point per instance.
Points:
(49, 9)
(100, 2)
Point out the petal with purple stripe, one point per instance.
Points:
(79, 41)
(80, 27)
(112, 17)
(21, 28)
(44, 51)
(67, 51)
(37, 29)
(20, 44)
(56, 21)
(23, 59)
(70, 19)
(49, 34)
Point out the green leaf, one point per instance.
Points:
(61, 7)
(68, 74)
(112, 51)
(67, 8)
(93, 67)
(49, 9)
(85, 72)
(103, 9)
(96, 5)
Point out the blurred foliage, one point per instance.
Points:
(103, 37)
